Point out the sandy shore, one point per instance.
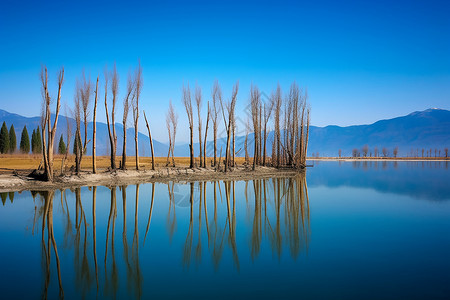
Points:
(10, 182)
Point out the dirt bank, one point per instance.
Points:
(9, 182)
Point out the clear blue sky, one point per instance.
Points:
(361, 61)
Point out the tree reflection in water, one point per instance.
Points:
(47, 219)
(277, 213)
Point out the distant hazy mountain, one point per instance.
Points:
(429, 129)
(102, 134)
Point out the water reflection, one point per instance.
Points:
(278, 209)
(49, 243)
(427, 180)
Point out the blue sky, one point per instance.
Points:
(360, 61)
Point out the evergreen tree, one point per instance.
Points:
(25, 141)
(4, 139)
(38, 141)
(62, 146)
(33, 141)
(12, 139)
(76, 143)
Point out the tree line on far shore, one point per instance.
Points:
(365, 151)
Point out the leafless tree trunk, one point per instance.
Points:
(94, 125)
(277, 138)
(174, 120)
(267, 112)
(255, 100)
(230, 109)
(151, 142)
(171, 123)
(188, 105)
(217, 99)
(260, 133)
(112, 133)
(308, 120)
(198, 102)
(126, 110)
(247, 129)
(206, 134)
(233, 130)
(69, 137)
(77, 116)
(46, 121)
(138, 88)
(169, 133)
(85, 101)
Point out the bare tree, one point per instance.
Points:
(217, 99)
(277, 113)
(247, 131)
(81, 105)
(395, 152)
(69, 137)
(85, 101)
(169, 134)
(198, 102)
(365, 150)
(385, 152)
(138, 88)
(151, 142)
(174, 121)
(255, 100)
(94, 131)
(188, 105)
(171, 123)
(112, 133)
(308, 121)
(340, 153)
(126, 110)
(446, 152)
(233, 130)
(228, 124)
(47, 144)
(375, 152)
(77, 116)
(268, 107)
(208, 114)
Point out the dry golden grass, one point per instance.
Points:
(28, 162)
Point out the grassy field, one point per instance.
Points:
(29, 162)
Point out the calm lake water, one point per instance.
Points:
(353, 230)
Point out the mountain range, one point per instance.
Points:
(428, 129)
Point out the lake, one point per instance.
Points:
(345, 230)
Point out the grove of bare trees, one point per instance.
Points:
(290, 115)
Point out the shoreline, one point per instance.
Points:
(17, 183)
(406, 159)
